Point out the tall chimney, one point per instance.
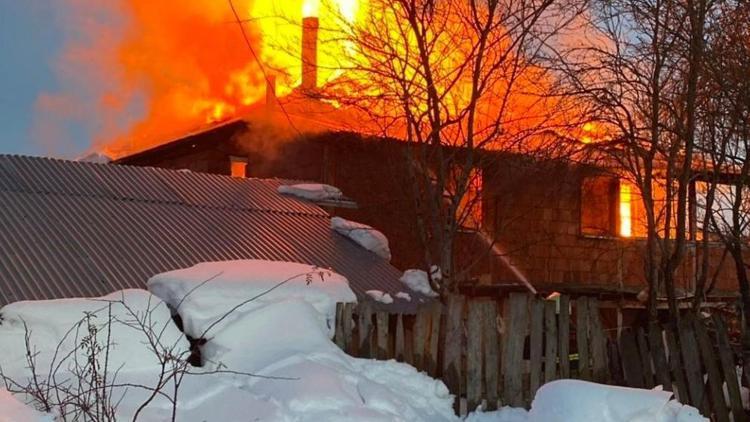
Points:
(309, 53)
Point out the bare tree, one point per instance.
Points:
(454, 79)
(641, 72)
(727, 142)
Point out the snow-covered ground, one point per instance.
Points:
(266, 343)
(270, 358)
(574, 401)
(12, 410)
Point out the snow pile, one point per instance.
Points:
(12, 410)
(364, 235)
(403, 295)
(573, 400)
(284, 336)
(58, 327)
(418, 281)
(379, 296)
(312, 191)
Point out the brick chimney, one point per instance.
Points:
(309, 53)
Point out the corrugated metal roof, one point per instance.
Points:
(73, 229)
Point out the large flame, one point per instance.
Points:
(188, 64)
(176, 65)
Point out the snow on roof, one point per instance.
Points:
(77, 229)
(312, 191)
(364, 235)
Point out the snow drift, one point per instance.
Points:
(283, 335)
(574, 401)
(57, 328)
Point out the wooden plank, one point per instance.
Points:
(551, 341)
(436, 312)
(598, 341)
(726, 357)
(348, 327)
(631, 361)
(658, 356)
(512, 360)
(582, 337)
(715, 376)
(691, 363)
(338, 336)
(399, 345)
(675, 365)
(563, 332)
(409, 339)
(474, 355)
(491, 345)
(536, 344)
(382, 334)
(364, 319)
(645, 352)
(615, 364)
(421, 328)
(454, 340)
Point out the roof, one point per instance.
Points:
(75, 229)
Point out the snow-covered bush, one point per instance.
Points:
(73, 357)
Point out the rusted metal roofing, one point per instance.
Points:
(74, 229)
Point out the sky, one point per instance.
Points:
(31, 40)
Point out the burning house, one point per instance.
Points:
(545, 225)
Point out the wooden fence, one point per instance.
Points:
(502, 351)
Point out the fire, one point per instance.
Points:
(626, 214)
(196, 68)
(170, 76)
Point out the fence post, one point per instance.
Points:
(536, 336)
(564, 333)
(657, 353)
(453, 345)
(582, 337)
(728, 367)
(364, 317)
(491, 350)
(515, 337)
(598, 342)
(550, 349)
(420, 337)
(715, 380)
(474, 355)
